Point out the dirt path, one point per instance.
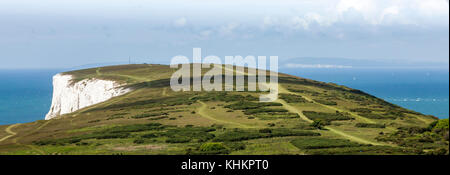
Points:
(294, 110)
(201, 111)
(341, 133)
(333, 130)
(338, 132)
(283, 90)
(138, 79)
(32, 146)
(10, 132)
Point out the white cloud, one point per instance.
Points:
(432, 7)
(228, 29)
(269, 21)
(361, 12)
(180, 22)
(205, 34)
(299, 23)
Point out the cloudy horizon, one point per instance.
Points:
(55, 34)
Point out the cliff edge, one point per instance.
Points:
(69, 97)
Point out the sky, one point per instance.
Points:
(69, 33)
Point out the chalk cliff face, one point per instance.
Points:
(69, 97)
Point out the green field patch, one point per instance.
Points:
(109, 133)
(240, 135)
(364, 150)
(92, 128)
(319, 143)
(362, 110)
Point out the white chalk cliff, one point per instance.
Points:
(69, 97)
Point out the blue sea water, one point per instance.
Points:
(25, 95)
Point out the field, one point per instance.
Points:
(309, 117)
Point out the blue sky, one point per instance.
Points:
(61, 34)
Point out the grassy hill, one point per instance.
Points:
(310, 117)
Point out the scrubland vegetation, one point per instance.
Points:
(310, 117)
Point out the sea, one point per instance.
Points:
(25, 95)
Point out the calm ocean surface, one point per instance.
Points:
(25, 95)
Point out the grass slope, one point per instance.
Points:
(310, 117)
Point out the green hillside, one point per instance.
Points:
(310, 117)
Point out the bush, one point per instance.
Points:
(135, 128)
(235, 145)
(377, 116)
(362, 110)
(147, 136)
(370, 125)
(326, 117)
(244, 105)
(201, 134)
(139, 141)
(178, 140)
(364, 150)
(441, 124)
(265, 130)
(326, 102)
(240, 135)
(319, 124)
(213, 146)
(225, 97)
(138, 116)
(264, 110)
(319, 143)
(209, 149)
(290, 98)
(107, 135)
(93, 121)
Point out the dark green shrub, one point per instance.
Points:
(370, 125)
(147, 136)
(318, 143)
(235, 145)
(326, 117)
(240, 135)
(291, 98)
(93, 121)
(263, 110)
(149, 115)
(212, 146)
(178, 140)
(265, 130)
(326, 102)
(139, 141)
(244, 105)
